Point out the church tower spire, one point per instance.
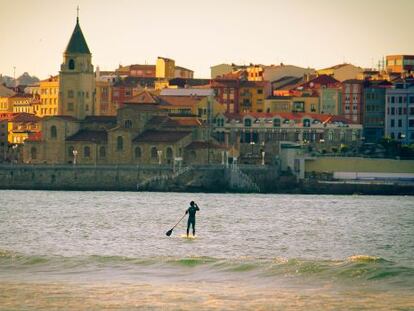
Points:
(76, 77)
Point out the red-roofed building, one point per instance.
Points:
(255, 133)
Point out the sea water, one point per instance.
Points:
(108, 250)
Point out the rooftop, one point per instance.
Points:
(89, 135)
(77, 42)
(154, 136)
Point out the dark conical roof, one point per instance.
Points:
(77, 43)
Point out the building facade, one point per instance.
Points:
(399, 112)
(352, 100)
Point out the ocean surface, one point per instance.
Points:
(109, 251)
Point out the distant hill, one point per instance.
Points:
(24, 79)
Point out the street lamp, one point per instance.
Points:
(159, 153)
(75, 153)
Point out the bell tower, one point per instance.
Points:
(76, 78)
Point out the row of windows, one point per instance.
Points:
(400, 111)
(400, 99)
(71, 94)
(46, 101)
(51, 91)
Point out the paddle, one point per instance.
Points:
(168, 233)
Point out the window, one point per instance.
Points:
(102, 152)
(119, 143)
(70, 106)
(70, 93)
(392, 99)
(260, 91)
(128, 124)
(411, 110)
(399, 123)
(392, 123)
(400, 99)
(399, 111)
(276, 122)
(247, 122)
(169, 153)
(33, 153)
(53, 132)
(392, 111)
(86, 152)
(137, 152)
(306, 123)
(411, 99)
(411, 123)
(71, 64)
(154, 153)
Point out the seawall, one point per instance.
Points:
(213, 178)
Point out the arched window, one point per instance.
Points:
(169, 153)
(86, 151)
(53, 132)
(248, 122)
(102, 152)
(193, 155)
(71, 64)
(128, 124)
(306, 123)
(119, 143)
(138, 152)
(154, 154)
(276, 122)
(33, 153)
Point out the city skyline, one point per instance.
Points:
(267, 32)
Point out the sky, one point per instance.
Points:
(200, 34)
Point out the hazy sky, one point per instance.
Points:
(199, 34)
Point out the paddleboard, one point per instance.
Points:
(190, 237)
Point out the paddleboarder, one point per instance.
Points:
(191, 211)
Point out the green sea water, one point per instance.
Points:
(108, 250)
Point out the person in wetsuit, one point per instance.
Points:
(191, 211)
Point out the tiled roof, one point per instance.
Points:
(188, 101)
(89, 135)
(145, 97)
(25, 117)
(160, 136)
(204, 145)
(183, 122)
(320, 80)
(77, 42)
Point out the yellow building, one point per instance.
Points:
(22, 103)
(20, 126)
(307, 104)
(165, 68)
(49, 97)
(255, 73)
(252, 96)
